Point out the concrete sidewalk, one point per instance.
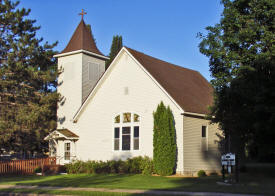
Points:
(132, 191)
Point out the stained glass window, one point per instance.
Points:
(117, 119)
(136, 118)
(127, 135)
(126, 117)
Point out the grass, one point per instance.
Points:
(258, 184)
(57, 192)
(61, 192)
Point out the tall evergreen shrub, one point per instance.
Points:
(115, 48)
(164, 142)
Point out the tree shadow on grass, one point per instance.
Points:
(150, 183)
(76, 180)
(209, 184)
(7, 179)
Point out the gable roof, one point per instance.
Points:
(82, 39)
(67, 133)
(187, 87)
(61, 133)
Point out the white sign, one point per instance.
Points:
(228, 159)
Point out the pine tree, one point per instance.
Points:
(28, 75)
(164, 141)
(115, 48)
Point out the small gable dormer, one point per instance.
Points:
(81, 64)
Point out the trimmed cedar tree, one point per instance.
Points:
(164, 143)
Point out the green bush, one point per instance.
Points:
(123, 167)
(76, 167)
(113, 166)
(53, 169)
(147, 166)
(89, 167)
(136, 165)
(38, 170)
(201, 173)
(101, 167)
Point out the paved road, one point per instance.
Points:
(151, 192)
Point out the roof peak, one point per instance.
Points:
(186, 86)
(82, 39)
(160, 60)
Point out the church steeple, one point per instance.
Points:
(82, 65)
(82, 39)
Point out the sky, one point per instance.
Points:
(165, 29)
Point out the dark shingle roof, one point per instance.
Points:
(67, 133)
(82, 39)
(187, 87)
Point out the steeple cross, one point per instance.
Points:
(82, 14)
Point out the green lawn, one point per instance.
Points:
(57, 192)
(258, 184)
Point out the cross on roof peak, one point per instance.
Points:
(82, 14)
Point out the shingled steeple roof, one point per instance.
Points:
(82, 39)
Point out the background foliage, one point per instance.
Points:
(28, 75)
(115, 48)
(241, 54)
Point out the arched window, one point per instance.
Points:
(126, 131)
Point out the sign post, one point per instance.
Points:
(228, 161)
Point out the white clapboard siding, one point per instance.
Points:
(127, 88)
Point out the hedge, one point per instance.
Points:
(136, 165)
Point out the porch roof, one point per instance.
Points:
(61, 133)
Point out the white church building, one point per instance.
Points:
(108, 114)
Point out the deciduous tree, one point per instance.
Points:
(241, 57)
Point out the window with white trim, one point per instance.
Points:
(126, 138)
(126, 132)
(136, 138)
(116, 139)
(52, 148)
(67, 151)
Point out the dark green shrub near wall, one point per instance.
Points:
(164, 141)
(50, 169)
(136, 165)
(201, 173)
(147, 167)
